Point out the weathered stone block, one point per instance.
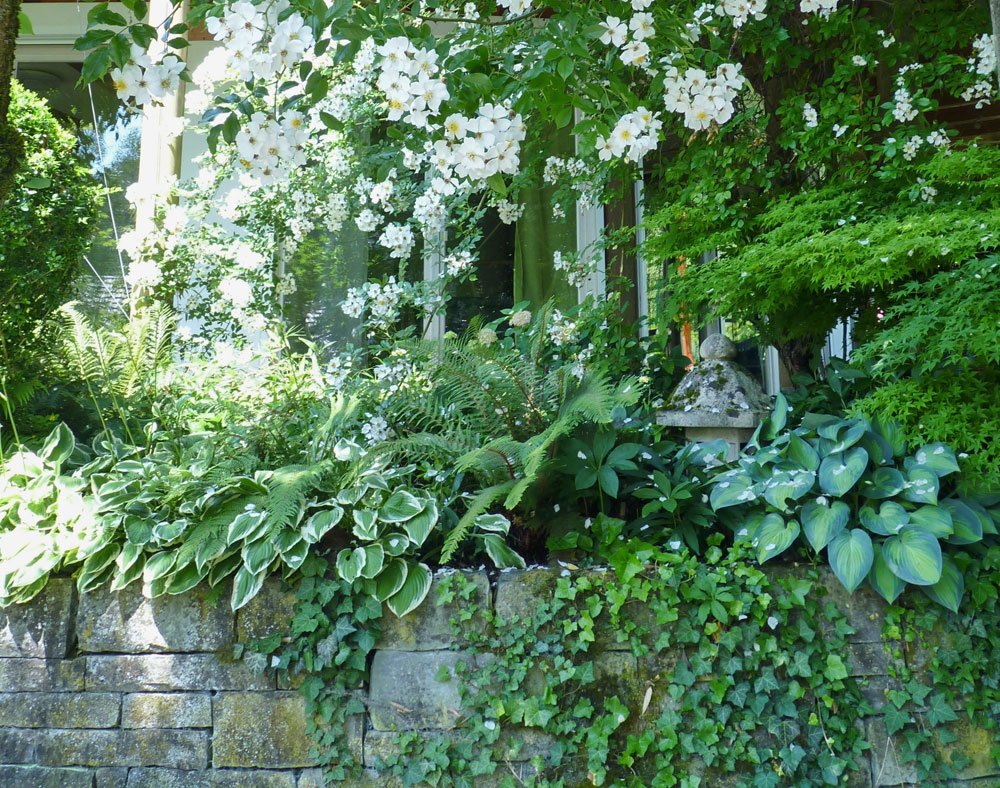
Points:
(59, 710)
(407, 690)
(864, 609)
(165, 672)
(868, 659)
(177, 749)
(111, 777)
(428, 628)
(41, 627)
(223, 778)
(886, 766)
(167, 710)
(126, 621)
(45, 777)
(34, 675)
(518, 745)
(262, 730)
(268, 613)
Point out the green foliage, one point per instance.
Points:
(841, 482)
(45, 223)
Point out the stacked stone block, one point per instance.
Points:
(112, 689)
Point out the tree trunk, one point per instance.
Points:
(11, 147)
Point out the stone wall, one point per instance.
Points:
(116, 690)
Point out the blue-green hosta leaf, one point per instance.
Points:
(58, 445)
(968, 528)
(883, 579)
(948, 591)
(883, 483)
(350, 563)
(374, 560)
(320, 523)
(493, 523)
(401, 506)
(391, 579)
(731, 490)
(787, 484)
(413, 591)
(935, 520)
(892, 434)
(419, 526)
(844, 434)
(365, 524)
(983, 515)
(851, 556)
(245, 587)
(914, 556)
(773, 536)
(888, 520)
(936, 457)
(878, 448)
(923, 486)
(802, 453)
(501, 554)
(822, 522)
(839, 472)
(775, 423)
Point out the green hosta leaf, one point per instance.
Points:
(779, 417)
(923, 486)
(968, 528)
(839, 472)
(822, 522)
(883, 579)
(784, 485)
(851, 557)
(129, 566)
(730, 490)
(501, 554)
(419, 527)
(914, 556)
(350, 564)
(413, 591)
(878, 448)
(391, 579)
(773, 536)
(365, 524)
(158, 565)
(884, 483)
(948, 591)
(493, 523)
(401, 506)
(844, 434)
(936, 457)
(935, 520)
(800, 452)
(395, 544)
(58, 445)
(892, 434)
(319, 523)
(182, 581)
(888, 520)
(246, 526)
(258, 555)
(296, 555)
(245, 587)
(374, 560)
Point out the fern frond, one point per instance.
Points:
(477, 505)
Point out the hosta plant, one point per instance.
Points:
(852, 488)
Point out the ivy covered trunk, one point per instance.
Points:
(10, 140)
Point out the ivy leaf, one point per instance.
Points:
(835, 669)
(895, 719)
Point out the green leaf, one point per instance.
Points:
(851, 557)
(823, 522)
(374, 560)
(401, 506)
(257, 556)
(493, 523)
(419, 527)
(391, 579)
(773, 536)
(914, 556)
(840, 471)
(501, 555)
(350, 563)
(245, 587)
(935, 520)
(58, 445)
(608, 480)
(888, 520)
(884, 483)
(730, 490)
(784, 485)
(923, 486)
(320, 523)
(947, 591)
(395, 544)
(24, 24)
(844, 434)
(835, 669)
(937, 458)
(883, 579)
(779, 417)
(246, 526)
(801, 453)
(565, 68)
(158, 565)
(365, 527)
(968, 528)
(413, 591)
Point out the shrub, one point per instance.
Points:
(45, 224)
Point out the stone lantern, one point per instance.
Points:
(717, 399)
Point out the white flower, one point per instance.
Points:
(810, 116)
(237, 292)
(520, 319)
(859, 61)
(838, 130)
(486, 336)
(615, 31)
